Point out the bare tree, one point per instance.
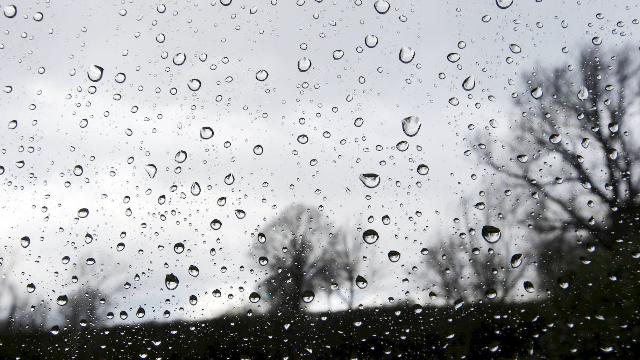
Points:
(465, 267)
(297, 247)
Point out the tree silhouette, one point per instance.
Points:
(574, 154)
(303, 257)
(465, 267)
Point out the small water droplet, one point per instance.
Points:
(381, 6)
(370, 180)
(406, 54)
(151, 170)
(516, 260)
(423, 169)
(361, 282)
(179, 58)
(262, 75)
(469, 83)
(206, 133)
(194, 84)
(536, 92)
(503, 4)
(394, 256)
(304, 64)
(308, 296)
(254, 297)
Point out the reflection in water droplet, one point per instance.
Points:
(423, 169)
(370, 180)
(262, 75)
(406, 54)
(215, 224)
(394, 256)
(528, 286)
(381, 6)
(361, 282)
(62, 300)
(503, 4)
(206, 133)
(193, 270)
(25, 241)
(411, 125)
(536, 92)
(308, 296)
(83, 213)
(171, 281)
(370, 236)
(229, 179)
(151, 170)
(194, 84)
(491, 234)
(195, 188)
(304, 64)
(583, 93)
(469, 83)
(179, 58)
(95, 73)
(516, 260)
(254, 297)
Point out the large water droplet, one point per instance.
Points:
(394, 256)
(423, 169)
(95, 73)
(406, 54)
(206, 133)
(10, 11)
(25, 241)
(62, 300)
(381, 6)
(179, 58)
(254, 297)
(503, 4)
(371, 41)
(194, 84)
(83, 213)
(171, 281)
(262, 75)
(370, 180)
(536, 92)
(516, 260)
(308, 296)
(361, 282)
(528, 286)
(181, 156)
(491, 234)
(469, 83)
(583, 93)
(195, 188)
(370, 236)
(304, 64)
(411, 125)
(151, 170)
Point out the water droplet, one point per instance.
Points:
(370, 180)
(262, 75)
(338, 54)
(195, 188)
(528, 286)
(254, 297)
(258, 149)
(361, 282)
(215, 224)
(120, 78)
(25, 241)
(178, 247)
(181, 156)
(596, 40)
(151, 170)
(423, 169)
(370, 236)
(503, 4)
(491, 294)
(206, 133)
(225, 2)
(469, 83)
(371, 41)
(402, 145)
(516, 260)
(62, 300)
(583, 93)
(411, 125)
(536, 92)
(240, 214)
(308, 296)
(140, 312)
(77, 170)
(394, 256)
(194, 271)
(453, 57)
(229, 179)
(555, 138)
(303, 139)
(10, 11)
(95, 73)
(304, 64)
(406, 54)
(381, 6)
(515, 48)
(171, 281)
(491, 234)
(262, 238)
(263, 260)
(179, 58)
(83, 213)
(194, 84)
(12, 124)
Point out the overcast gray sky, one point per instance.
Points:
(139, 122)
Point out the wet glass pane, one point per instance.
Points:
(356, 179)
